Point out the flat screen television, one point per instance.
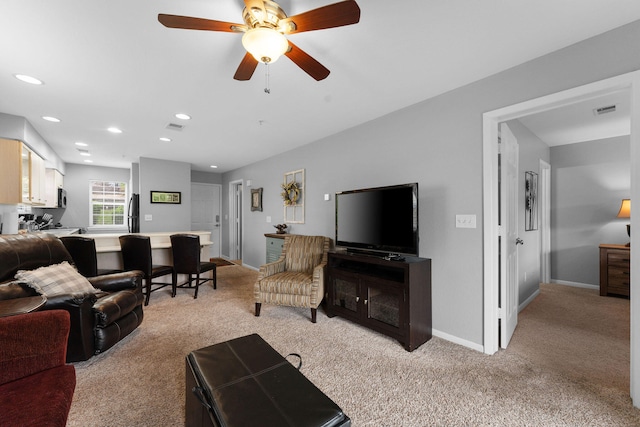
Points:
(382, 220)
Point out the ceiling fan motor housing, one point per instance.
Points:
(270, 18)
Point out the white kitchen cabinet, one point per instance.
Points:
(54, 180)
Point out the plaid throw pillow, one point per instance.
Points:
(58, 279)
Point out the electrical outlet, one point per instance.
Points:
(465, 221)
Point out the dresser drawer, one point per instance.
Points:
(618, 258)
(274, 248)
(614, 270)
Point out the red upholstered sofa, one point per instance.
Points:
(36, 387)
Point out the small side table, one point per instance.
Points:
(614, 270)
(11, 307)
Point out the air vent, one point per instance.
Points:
(175, 126)
(604, 110)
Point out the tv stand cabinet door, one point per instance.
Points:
(343, 296)
(384, 307)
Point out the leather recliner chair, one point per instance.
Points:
(98, 320)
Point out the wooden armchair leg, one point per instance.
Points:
(258, 305)
(314, 311)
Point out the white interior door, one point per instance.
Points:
(205, 212)
(509, 239)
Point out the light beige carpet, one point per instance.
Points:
(140, 381)
(578, 333)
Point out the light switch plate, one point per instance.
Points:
(465, 221)
(148, 217)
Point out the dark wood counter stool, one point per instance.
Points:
(186, 260)
(136, 255)
(85, 258)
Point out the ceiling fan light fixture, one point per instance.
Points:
(265, 44)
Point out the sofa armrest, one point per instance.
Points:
(272, 268)
(80, 308)
(13, 290)
(317, 286)
(118, 281)
(32, 343)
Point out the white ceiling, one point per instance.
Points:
(110, 63)
(579, 123)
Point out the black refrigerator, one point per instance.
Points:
(133, 215)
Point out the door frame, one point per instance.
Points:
(627, 82)
(235, 219)
(544, 191)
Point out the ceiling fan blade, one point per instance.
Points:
(189, 23)
(331, 16)
(251, 5)
(246, 68)
(307, 63)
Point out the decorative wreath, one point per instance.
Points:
(290, 193)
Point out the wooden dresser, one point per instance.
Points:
(614, 270)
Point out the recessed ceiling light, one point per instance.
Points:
(28, 79)
(214, 167)
(88, 161)
(85, 153)
(82, 144)
(114, 130)
(165, 139)
(183, 116)
(51, 119)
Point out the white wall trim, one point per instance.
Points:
(528, 300)
(626, 82)
(575, 284)
(456, 340)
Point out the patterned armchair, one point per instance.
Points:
(296, 279)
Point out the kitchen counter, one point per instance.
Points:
(159, 240)
(61, 231)
(109, 256)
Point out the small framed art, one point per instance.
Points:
(169, 197)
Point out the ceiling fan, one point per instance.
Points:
(264, 29)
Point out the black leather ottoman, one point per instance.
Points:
(245, 382)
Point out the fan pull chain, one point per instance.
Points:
(267, 90)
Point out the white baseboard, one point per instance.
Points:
(528, 300)
(457, 340)
(575, 284)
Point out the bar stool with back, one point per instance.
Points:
(85, 258)
(186, 260)
(136, 255)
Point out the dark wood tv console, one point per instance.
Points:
(389, 296)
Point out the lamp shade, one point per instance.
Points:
(625, 209)
(265, 44)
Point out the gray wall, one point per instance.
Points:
(437, 143)
(589, 180)
(206, 177)
(531, 150)
(76, 182)
(164, 175)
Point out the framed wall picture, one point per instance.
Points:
(530, 201)
(256, 199)
(169, 197)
